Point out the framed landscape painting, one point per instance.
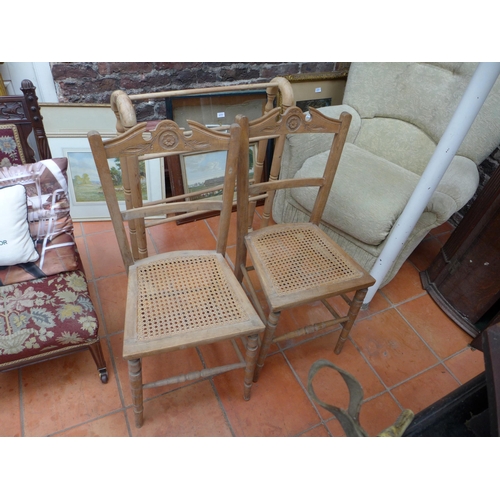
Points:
(206, 170)
(85, 190)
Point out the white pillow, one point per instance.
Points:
(16, 245)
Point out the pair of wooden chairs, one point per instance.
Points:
(184, 299)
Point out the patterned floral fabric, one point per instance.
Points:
(44, 315)
(11, 152)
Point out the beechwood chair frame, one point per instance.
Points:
(277, 126)
(279, 92)
(156, 139)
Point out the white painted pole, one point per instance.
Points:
(474, 96)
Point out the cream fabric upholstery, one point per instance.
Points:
(400, 111)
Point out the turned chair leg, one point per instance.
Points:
(135, 377)
(251, 360)
(272, 323)
(356, 304)
(98, 356)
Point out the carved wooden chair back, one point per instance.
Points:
(179, 299)
(19, 117)
(149, 140)
(296, 263)
(278, 93)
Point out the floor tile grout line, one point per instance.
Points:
(372, 368)
(107, 334)
(283, 349)
(321, 424)
(440, 359)
(90, 420)
(421, 372)
(405, 301)
(93, 280)
(216, 393)
(118, 383)
(304, 389)
(89, 258)
(176, 389)
(222, 408)
(386, 387)
(443, 361)
(21, 401)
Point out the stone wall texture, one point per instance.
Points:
(93, 82)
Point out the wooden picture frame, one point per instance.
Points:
(212, 110)
(76, 120)
(67, 126)
(318, 90)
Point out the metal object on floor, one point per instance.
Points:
(349, 420)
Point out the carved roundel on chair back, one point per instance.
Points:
(169, 139)
(293, 123)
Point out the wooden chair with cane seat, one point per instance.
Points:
(295, 263)
(177, 299)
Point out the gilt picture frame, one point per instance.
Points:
(318, 90)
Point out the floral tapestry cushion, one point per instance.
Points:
(16, 245)
(44, 315)
(50, 223)
(11, 151)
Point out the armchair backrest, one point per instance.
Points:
(405, 108)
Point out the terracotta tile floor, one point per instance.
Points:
(403, 350)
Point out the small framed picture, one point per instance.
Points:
(200, 172)
(196, 172)
(86, 195)
(206, 170)
(318, 90)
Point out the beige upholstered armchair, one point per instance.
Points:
(400, 111)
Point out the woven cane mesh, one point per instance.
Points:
(299, 259)
(184, 294)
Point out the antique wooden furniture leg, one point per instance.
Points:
(356, 304)
(98, 356)
(272, 323)
(252, 351)
(135, 377)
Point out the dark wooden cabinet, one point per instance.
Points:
(464, 279)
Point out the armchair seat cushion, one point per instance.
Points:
(379, 187)
(45, 315)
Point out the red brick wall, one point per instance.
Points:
(93, 82)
